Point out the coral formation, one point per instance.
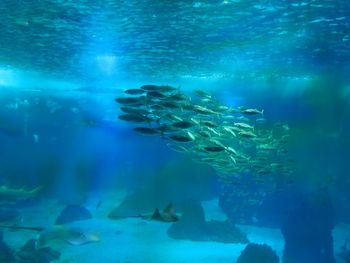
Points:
(255, 253)
(192, 226)
(6, 253)
(29, 253)
(73, 213)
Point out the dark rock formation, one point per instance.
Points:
(29, 254)
(345, 253)
(134, 204)
(175, 182)
(255, 253)
(192, 226)
(72, 213)
(308, 229)
(6, 253)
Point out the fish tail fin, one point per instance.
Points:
(156, 215)
(169, 208)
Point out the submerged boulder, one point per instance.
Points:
(255, 253)
(177, 181)
(345, 255)
(72, 213)
(192, 226)
(345, 252)
(6, 253)
(29, 253)
(133, 204)
(307, 230)
(225, 232)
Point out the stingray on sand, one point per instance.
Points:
(72, 232)
(168, 215)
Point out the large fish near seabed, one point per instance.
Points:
(74, 235)
(13, 195)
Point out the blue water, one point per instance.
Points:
(63, 64)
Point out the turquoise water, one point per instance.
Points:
(250, 142)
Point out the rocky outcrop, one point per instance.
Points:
(192, 226)
(255, 253)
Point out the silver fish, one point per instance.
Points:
(127, 100)
(252, 111)
(183, 124)
(134, 91)
(137, 118)
(146, 130)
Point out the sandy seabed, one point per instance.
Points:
(138, 241)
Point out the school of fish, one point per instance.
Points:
(234, 141)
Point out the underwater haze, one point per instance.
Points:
(175, 131)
